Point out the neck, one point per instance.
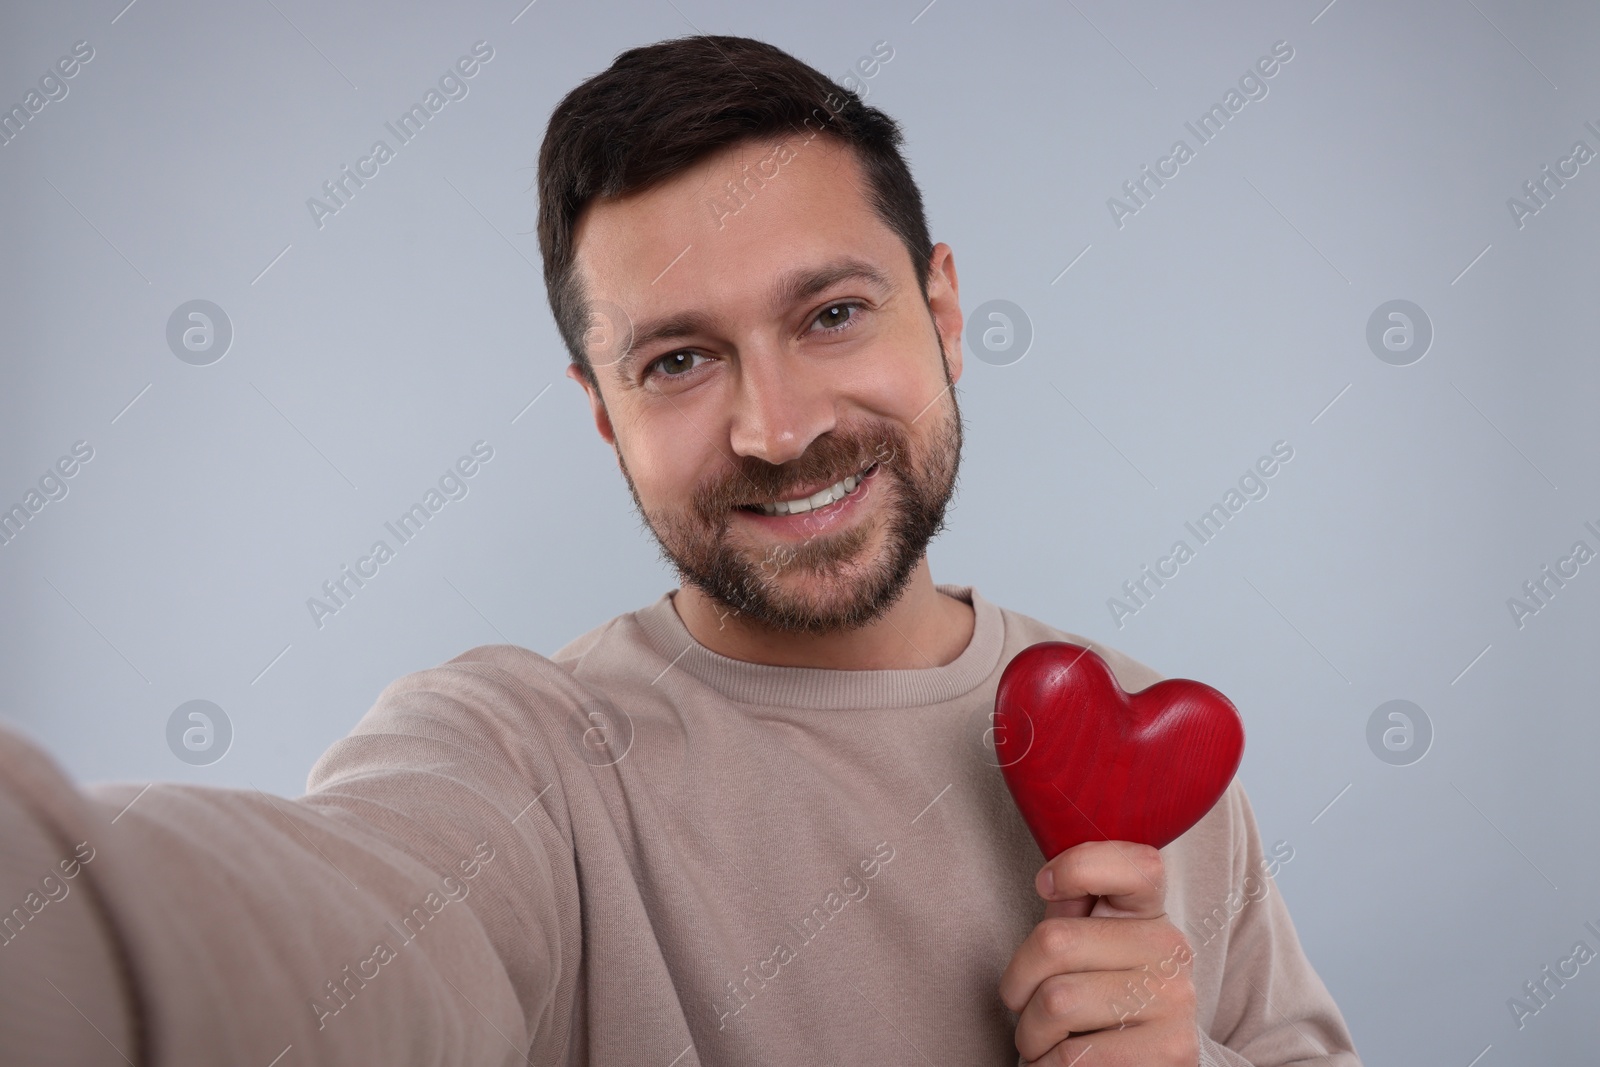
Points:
(923, 628)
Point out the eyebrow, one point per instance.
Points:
(792, 287)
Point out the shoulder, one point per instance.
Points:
(1024, 630)
(518, 673)
(494, 694)
(506, 689)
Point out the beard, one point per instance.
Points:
(826, 583)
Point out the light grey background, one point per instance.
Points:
(1229, 313)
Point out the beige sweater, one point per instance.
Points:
(635, 851)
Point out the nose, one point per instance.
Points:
(780, 406)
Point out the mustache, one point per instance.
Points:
(830, 458)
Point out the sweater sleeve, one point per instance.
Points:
(415, 907)
(1273, 1009)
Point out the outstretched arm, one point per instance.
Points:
(411, 909)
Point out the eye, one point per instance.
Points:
(833, 318)
(673, 364)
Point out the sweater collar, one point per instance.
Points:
(824, 688)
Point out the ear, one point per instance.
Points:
(944, 303)
(602, 420)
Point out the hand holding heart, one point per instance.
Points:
(1104, 979)
(1104, 778)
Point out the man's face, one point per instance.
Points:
(779, 346)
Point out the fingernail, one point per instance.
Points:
(1047, 883)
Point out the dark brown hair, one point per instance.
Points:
(660, 109)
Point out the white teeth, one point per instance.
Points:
(837, 491)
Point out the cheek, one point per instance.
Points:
(907, 370)
(893, 383)
(667, 455)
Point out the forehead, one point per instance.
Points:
(714, 236)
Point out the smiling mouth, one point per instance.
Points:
(820, 499)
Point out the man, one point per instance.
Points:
(755, 822)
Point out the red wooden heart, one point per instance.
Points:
(1086, 761)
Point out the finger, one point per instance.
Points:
(1093, 943)
(1133, 1047)
(1067, 1004)
(1129, 877)
(1076, 908)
